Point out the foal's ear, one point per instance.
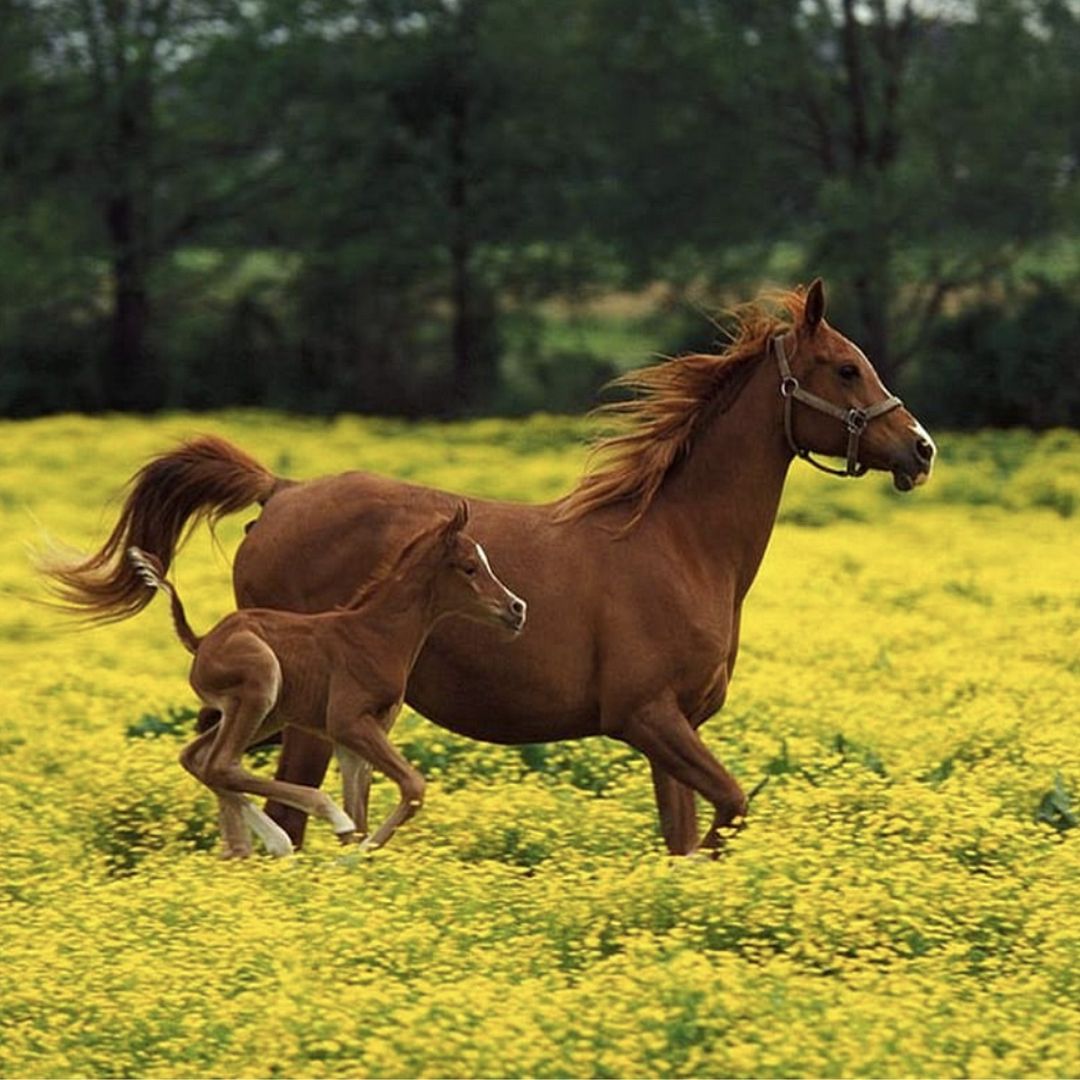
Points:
(456, 523)
(814, 309)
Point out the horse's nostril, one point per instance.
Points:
(517, 607)
(924, 450)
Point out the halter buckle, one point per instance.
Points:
(856, 421)
(788, 385)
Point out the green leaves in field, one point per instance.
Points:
(1056, 807)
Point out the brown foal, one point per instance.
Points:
(637, 577)
(339, 676)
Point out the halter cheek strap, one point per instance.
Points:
(854, 419)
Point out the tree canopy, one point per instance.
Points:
(364, 204)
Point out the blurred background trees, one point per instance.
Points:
(456, 206)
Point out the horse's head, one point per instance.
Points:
(835, 404)
(466, 585)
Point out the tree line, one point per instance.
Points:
(359, 204)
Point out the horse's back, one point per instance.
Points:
(315, 543)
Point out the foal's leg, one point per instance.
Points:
(235, 834)
(666, 737)
(225, 770)
(237, 816)
(356, 786)
(356, 778)
(367, 738)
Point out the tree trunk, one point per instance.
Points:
(461, 286)
(872, 298)
(473, 345)
(129, 376)
(125, 96)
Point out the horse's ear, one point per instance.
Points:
(456, 523)
(814, 308)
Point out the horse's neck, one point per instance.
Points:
(723, 498)
(398, 617)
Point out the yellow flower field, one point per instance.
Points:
(903, 900)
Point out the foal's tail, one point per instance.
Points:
(152, 574)
(202, 479)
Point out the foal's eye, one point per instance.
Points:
(469, 570)
(848, 372)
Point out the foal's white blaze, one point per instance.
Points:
(487, 566)
(274, 838)
(484, 559)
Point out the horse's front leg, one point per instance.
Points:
(678, 813)
(664, 735)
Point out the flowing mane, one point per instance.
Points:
(656, 428)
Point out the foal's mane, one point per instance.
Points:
(396, 565)
(655, 429)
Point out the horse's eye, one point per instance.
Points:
(469, 570)
(848, 372)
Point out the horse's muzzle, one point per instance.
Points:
(913, 467)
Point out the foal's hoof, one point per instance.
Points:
(348, 837)
(232, 854)
(279, 848)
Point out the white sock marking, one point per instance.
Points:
(274, 838)
(341, 821)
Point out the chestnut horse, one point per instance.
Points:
(636, 578)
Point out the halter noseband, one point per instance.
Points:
(854, 419)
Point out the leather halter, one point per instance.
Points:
(854, 419)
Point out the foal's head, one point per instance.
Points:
(827, 365)
(463, 582)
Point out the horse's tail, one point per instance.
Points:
(152, 574)
(202, 479)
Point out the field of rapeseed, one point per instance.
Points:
(903, 900)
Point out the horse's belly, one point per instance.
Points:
(492, 704)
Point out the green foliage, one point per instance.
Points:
(1056, 807)
(1006, 365)
(177, 722)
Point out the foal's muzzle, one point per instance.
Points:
(513, 615)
